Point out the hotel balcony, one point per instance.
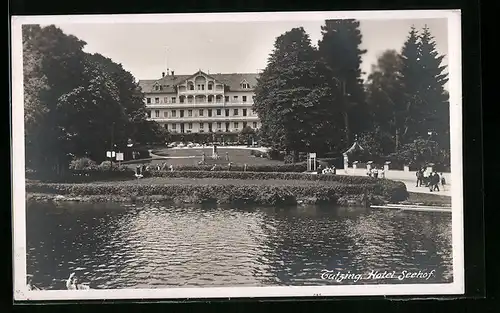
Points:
(194, 104)
(200, 92)
(213, 118)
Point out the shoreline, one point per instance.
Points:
(347, 201)
(343, 201)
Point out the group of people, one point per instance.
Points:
(141, 169)
(326, 170)
(375, 172)
(430, 180)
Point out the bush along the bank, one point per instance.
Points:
(254, 194)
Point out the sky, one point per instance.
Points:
(148, 49)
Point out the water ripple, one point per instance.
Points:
(158, 246)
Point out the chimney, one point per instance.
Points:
(172, 73)
(162, 74)
(168, 72)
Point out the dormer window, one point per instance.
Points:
(245, 85)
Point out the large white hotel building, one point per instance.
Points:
(201, 102)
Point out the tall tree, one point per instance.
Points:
(433, 78)
(410, 75)
(386, 100)
(293, 97)
(340, 49)
(93, 119)
(53, 65)
(129, 94)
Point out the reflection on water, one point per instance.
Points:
(164, 245)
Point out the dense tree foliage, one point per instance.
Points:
(386, 99)
(315, 100)
(76, 104)
(294, 99)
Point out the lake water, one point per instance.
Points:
(114, 245)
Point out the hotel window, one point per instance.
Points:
(191, 87)
(236, 125)
(227, 112)
(209, 112)
(157, 100)
(244, 124)
(157, 113)
(226, 98)
(244, 98)
(244, 112)
(165, 100)
(149, 114)
(181, 99)
(235, 112)
(190, 125)
(174, 126)
(166, 126)
(210, 86)
(254, 124)
(148, 100)
(190, 113)
(219, 112)
(235, 98)
(202, 125)
(181, 113)
(219, 125)
(165, 114)
(173, 99)
(200, 112)
(174, 114)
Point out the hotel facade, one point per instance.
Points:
(201, 102)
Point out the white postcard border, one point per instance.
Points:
(18, 163)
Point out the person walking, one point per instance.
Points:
(437, 180)
(420, 177)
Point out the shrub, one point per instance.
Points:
(274, 154)
(289, 159)
(82, 164)
(105, 165)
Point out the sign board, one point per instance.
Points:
(311, 162)
(110, 154)
(119, 156)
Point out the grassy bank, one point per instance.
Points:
(227, 191)
(427, 199)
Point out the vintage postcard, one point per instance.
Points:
(237, 155)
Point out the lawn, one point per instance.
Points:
(191, 156)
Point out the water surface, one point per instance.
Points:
(114, 245)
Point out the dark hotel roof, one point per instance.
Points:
(168, 82)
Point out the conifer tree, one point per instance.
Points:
(340, 50)
(432, 93)
(293, 98)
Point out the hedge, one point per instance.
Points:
(256, 194)
(393, 190)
